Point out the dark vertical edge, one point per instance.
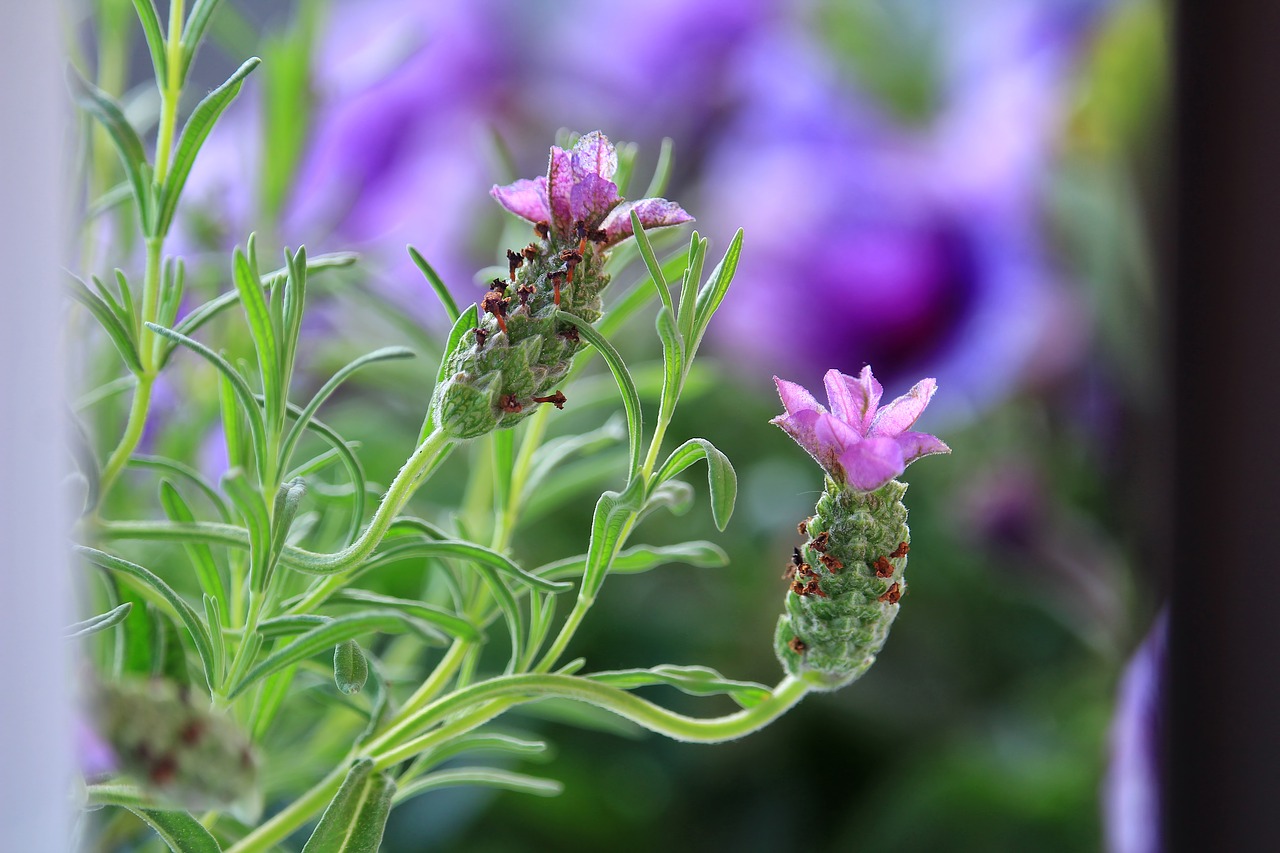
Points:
(1224, 724)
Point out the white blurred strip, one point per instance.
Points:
(35, 753)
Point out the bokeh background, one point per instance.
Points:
(951, 188)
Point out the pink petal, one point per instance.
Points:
(653, 213)
(899, 415)
(560, 181)
(594, 155)
(917, 444)
(525, 198)
(853, 400)
(795, 398)
(591, 198)
(871, 463)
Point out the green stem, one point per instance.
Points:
(170, 91)
(439, 678)
(132, 435)
(285, 822)
(531, 687)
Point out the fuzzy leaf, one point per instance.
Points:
(437, 284)
(101, 622)
(128, 145)
(721, 478)
(627, 387)
(355, 818)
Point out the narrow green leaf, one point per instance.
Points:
(487, 742)
(172, 283)
(712, 294)
(675, 496)
(184, 611)
(233, 423)
(355, 818)
(127, 301)
(108, 201)
(270, 699)
(193, 32)
(197, 317)
(191, 475)
(484, 777)
(249, 285)
(253, 509)
(87, 463)
(304, 416)
(651, 263)
(661, 171)
(101, 622)
(437, 284)
(215, 618)
(638, 296)
(178, 829)
(691, 278)
(200, 554)
(630, 398)
(471, 553)
(194, 133)
(453, 624)
(116, 305)
(322, 638)
(288, 496)
(465, 323)
(146, 10)
(643, 558)
(552, 455)
(611, 515)
(349, 461)
(694, 680)
(128, 145)
(293, 301)
(721, 478)
(120, 336)
(673, 361)
(241, 389)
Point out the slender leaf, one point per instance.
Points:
(304, 415)
(612, 512)
(128, 145)
(638, 296)
(552, 455)
(182, 832)
(243, 394)
(194, 133)
(673, 362)
(627, 387)
(355, 818)
(484, 777)
(200, 554)
(694, 680)
(253, 509)
(721, 478)
(689, 286)
(712, 294)
(191, 475)
(486, 742)
(193, 32)
(323, 638)
(249, 285)
(643, 558)
(184, 611)
(651, 263)
(120, 336)
(101, 622)
(477, 555)
(661, 171)
(215, 618)
(116, 305)
(146, 10)
(437, 284)
(453, 624)
(270, 698)
(288, 496)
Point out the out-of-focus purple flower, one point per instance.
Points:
(578, 198)
(93, 754)
(1131, 792)
(404, 93)
(920, 244)
(858, 442)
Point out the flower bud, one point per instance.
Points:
(350, 667)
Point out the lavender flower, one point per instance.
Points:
(578, 198)
(858, 442)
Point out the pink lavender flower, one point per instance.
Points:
(858, 442)
(578, 192)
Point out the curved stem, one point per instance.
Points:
(531, 687)
(133, 429)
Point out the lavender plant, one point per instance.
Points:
(270, 615)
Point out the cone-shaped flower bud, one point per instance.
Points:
(838, 616)
(522, 349)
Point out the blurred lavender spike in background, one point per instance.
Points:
(1131, 792)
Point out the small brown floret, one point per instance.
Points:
(892, 594)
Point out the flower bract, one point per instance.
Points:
(858, 442)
